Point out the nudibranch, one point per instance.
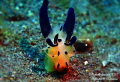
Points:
(60, 40)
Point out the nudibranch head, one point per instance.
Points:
(60, 41)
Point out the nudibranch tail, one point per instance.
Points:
(44, 20)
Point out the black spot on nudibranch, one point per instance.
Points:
(66, 52)
(58, 53)
(59, 40)
(58, 65)
(66, 64)
(48, 47)
(60, 28)
(55, 39)
(74, 51)
(53, 56)
(47, 50)
(41, 59)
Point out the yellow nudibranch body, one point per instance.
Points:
(57, 57)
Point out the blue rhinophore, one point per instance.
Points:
(44, 19)
(69, 24)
